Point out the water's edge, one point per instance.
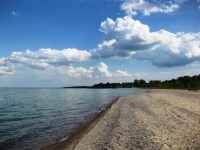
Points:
(71, 141)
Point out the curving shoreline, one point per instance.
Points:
(70, 142)
(158, 119)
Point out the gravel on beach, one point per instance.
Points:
(155, 120)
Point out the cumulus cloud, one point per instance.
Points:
(80, 72)
(132, 7)
(129, 38)
(5, 67)
(122, 73)
(125, 36)
(99, 71)
(103, 71)
(44, 58)
(60, 61)
(50, 61)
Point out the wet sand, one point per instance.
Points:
(158, 119)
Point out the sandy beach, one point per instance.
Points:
(157, 119)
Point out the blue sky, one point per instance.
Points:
(49, 43)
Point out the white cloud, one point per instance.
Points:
(103, 70)
(50, 61)
(99, 71)
(14, 13)
(107, 44)
(2, 62)
(5, 70)
(80, 72)
(132, 7)
(122, 73)
(127, 34)
(44, 58)
(129, 38)
(5, 67)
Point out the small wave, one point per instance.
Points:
(63, 139)
(2, 120)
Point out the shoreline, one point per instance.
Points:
(157, 119)
(71, 141)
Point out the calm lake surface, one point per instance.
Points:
(33, 117)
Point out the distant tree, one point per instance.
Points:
(186, 82)
(136, 83)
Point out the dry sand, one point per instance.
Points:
(158, 119)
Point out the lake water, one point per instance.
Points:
(33, 117)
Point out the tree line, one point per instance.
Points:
(186, 82)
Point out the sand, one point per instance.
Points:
(158, 119)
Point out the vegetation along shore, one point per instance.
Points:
(186, 82)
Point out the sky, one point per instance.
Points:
(50, 43)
